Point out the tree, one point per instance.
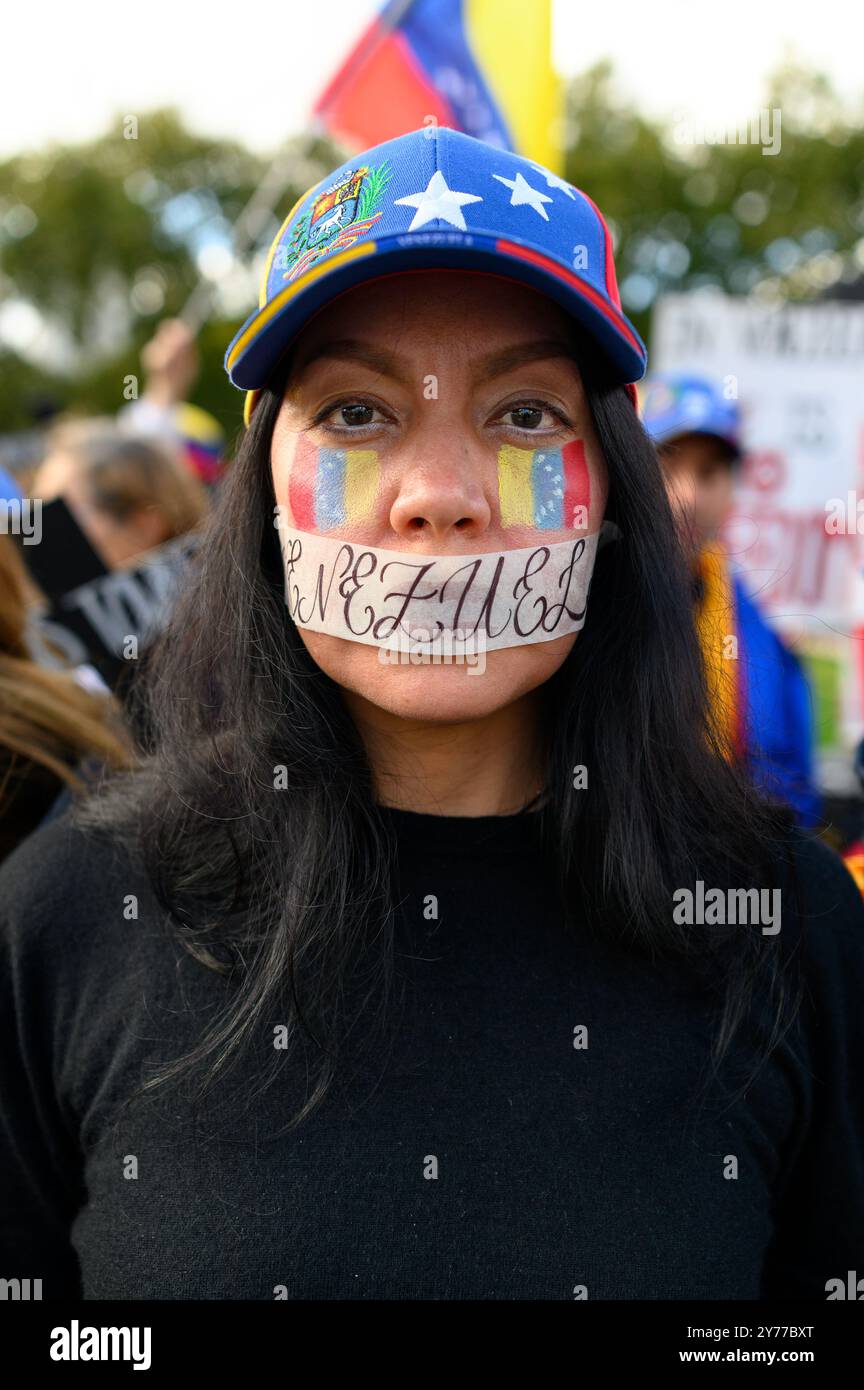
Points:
(105, 238)
(694, 213)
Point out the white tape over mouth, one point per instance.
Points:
(383, 598)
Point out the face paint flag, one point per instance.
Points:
(332, 487)
(546, 488)
(378, 597)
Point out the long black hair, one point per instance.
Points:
(255, 811)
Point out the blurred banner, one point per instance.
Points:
(481, 66)
(107, 618)
(796, 371)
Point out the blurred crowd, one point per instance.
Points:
(127, 487)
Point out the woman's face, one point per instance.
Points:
(440, 380)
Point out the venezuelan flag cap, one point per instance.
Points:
(436, 198)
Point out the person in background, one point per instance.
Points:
(53, 730)
(127, 494)
(760, 695)
(853, 854)
(171, 364)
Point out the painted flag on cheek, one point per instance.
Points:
(332, 487)
(545, 488)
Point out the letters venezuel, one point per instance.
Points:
(366, 594)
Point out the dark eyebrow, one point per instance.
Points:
(387, 363)
(352, 350)
(539, 350)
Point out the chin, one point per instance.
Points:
(438, 692)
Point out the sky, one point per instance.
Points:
(252, 72)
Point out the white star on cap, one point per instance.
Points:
(522, 192)
(437, 200)
(553, 180)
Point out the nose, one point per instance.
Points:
(443, 490)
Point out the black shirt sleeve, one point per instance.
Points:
(820, 1209)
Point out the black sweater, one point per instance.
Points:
(493, 1159)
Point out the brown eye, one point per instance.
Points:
(357, 414)
(526, 417)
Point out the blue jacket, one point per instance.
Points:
(779, 715)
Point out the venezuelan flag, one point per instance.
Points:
(853, 858)
(202, 439)
(544, 487)
(480, 66)
(341, 488)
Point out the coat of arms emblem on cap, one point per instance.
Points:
(344, 211)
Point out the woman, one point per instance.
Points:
(415, 978)
(53, 728)
(128, 494)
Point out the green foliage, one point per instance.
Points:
(689, 214)
(105, 216)
(102, 238)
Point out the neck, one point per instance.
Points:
(490, 766)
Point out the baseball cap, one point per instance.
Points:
(10, 490)
(437, 198)
(676, 403)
